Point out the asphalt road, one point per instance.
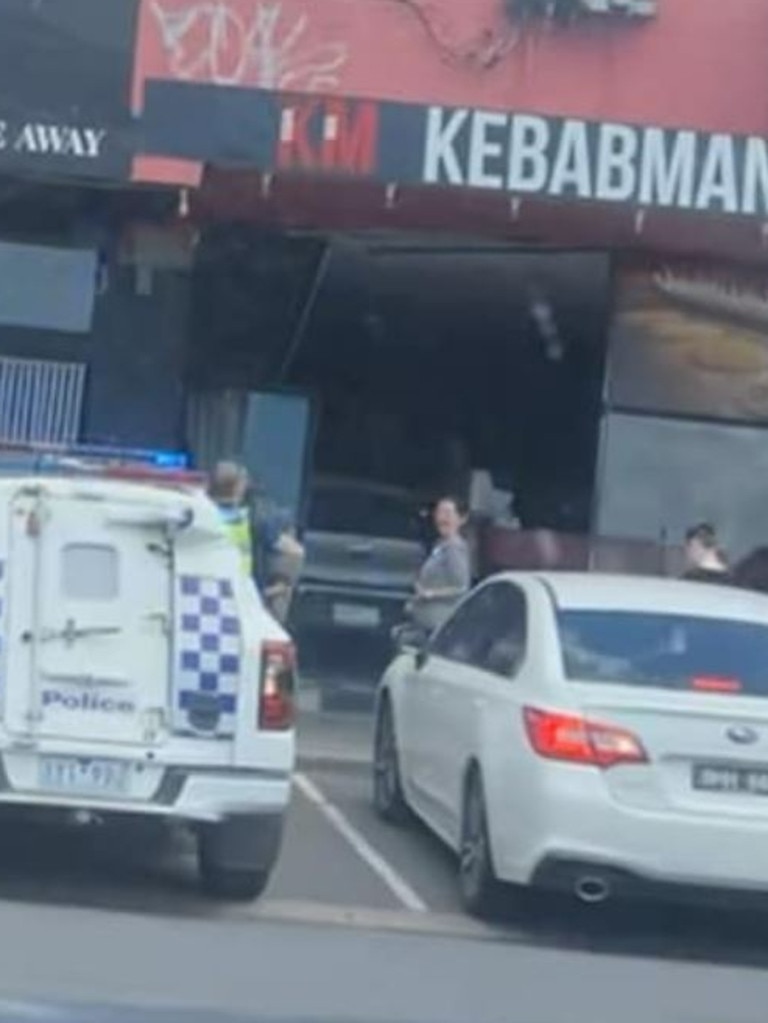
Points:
(361, 922)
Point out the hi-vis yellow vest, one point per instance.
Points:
(238, 523)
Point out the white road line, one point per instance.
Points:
(374, 860)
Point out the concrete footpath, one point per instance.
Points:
(340, 740)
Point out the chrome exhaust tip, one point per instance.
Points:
(83, 818)
(592, 889)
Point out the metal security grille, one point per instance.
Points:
(40, 401)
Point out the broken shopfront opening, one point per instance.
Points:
(414, 351)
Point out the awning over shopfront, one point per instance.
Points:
(520, 154)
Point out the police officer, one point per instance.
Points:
(270, 552)
(229, 490)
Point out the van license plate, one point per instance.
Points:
(356, 616)
(84, 776)
(739, 780)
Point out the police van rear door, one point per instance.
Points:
(89, 592)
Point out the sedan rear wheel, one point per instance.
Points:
(480, 890)
(388, 799)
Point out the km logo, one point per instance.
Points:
(333, 135)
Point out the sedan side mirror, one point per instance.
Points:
(421, 658)
(416, 649)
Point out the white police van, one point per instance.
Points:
(139, 671)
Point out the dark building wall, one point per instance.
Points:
(135, 354)
(135, 393)
(251, 288)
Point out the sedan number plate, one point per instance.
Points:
(749, 781)
(84, 776)
(356, 616)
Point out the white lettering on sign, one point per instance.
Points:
(755, 183)
(717, 185)
(441, 163)
(647, 166)
(528, 141)
(616, 167)
(59, 140)
(486, 151)
(667, 168)
(571, 172)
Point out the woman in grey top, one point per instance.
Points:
(446, 575)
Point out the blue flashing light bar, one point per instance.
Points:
(16, 458)
(160, 458)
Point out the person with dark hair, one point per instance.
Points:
(446, 575)
(705, 560)
(443, 579)
(751, 573)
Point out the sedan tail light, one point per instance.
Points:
(581, 741)
(278, 679)
(716, 684)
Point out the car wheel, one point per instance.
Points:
(388, 799)
(233, 885)
(234, 881)
(480, 889)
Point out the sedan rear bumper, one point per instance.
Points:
(576, 821)
(598, 881)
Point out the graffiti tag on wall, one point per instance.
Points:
(218, 42)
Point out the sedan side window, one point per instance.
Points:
(508, 617)
(459, 638)
(488, 631)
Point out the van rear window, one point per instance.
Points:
(665, 651)
(363, 512)
(89, 572)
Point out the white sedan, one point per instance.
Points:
(591, 733)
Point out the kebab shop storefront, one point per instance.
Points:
(575, 310)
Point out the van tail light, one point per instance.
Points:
(277, 708)
(581, 741)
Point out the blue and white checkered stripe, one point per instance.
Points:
(208, 657)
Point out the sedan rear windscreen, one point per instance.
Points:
(665, 651)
